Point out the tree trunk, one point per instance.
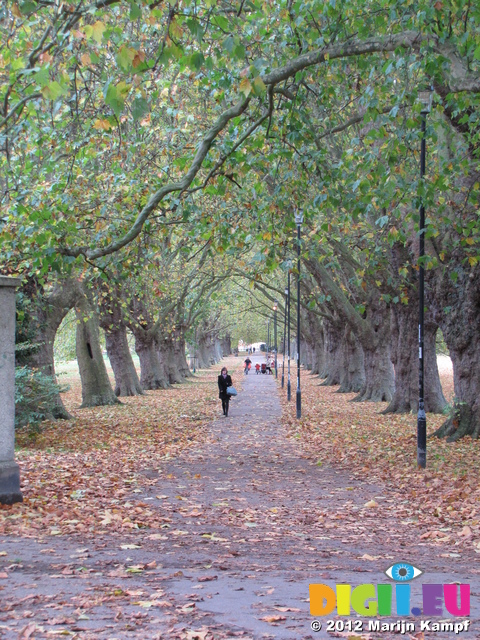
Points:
(226, 345)
(317, 347)
(112, 322)
(167, 355)
(40, 327)
(96, 388)
(127, 382)
(352, 377)
(181, 357)
(218, 349)
(305, 355)
(404, 329)
(461, 329)
(379, 375)
(333, 354)
(152, 371)
(434, 399)
(206, 351)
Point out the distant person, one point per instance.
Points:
(248, 364)
(253, 349)
(257, 368)
(224, 381)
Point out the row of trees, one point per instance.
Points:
(160, 315)
(121, 121)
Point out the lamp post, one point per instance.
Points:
(289, 386)
(425, 98)
(284, 336)
(195, 352)
(298, 222)
(268, 336)
(275, 307)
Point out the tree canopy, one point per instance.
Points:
(164, 147)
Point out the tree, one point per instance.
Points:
(308, 92)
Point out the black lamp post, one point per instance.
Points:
(195, 352)
(289, 386)
(425, 98)
(284, 336)
(268, 336)
(298, 222)
(275, 307)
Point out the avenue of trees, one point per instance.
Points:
(153, 155)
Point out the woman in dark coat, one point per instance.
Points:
(224, 381)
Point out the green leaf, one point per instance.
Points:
(259, 87)
(125, 57)
(222, 22)
(229, 44)
(97, 31)
(239, 52)
(115, 97)
(28, 7)
(140, 108)
(196, 60)
(53, 90)
(135, 11)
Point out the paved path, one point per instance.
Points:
(249, 523)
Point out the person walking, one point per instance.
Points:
(224, 381)
(247, 365)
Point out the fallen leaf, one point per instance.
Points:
(130, 546)
(273, 618)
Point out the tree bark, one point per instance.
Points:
(112, 322)
(152, 371)
(379, 375)
(44, 317)
(218, 349)
(181, 356)
(226, 345)
(317, 346)
(127, 382)
(206, 351)
(333, 355)
(372, 330)
(404, 329)
(459, 305)
(352, 376)
(168, 356)
(96, 388)
(305, 354)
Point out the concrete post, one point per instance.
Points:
(9, 470)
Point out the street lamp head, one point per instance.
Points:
(298, 217)
(275, 305)
(286, 291)
(425, 97)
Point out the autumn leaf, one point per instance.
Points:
(102, 125)
(246, 87)
(273, 618)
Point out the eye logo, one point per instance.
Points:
(403, 572)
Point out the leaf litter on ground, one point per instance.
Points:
(78, 475)
(442, 502)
